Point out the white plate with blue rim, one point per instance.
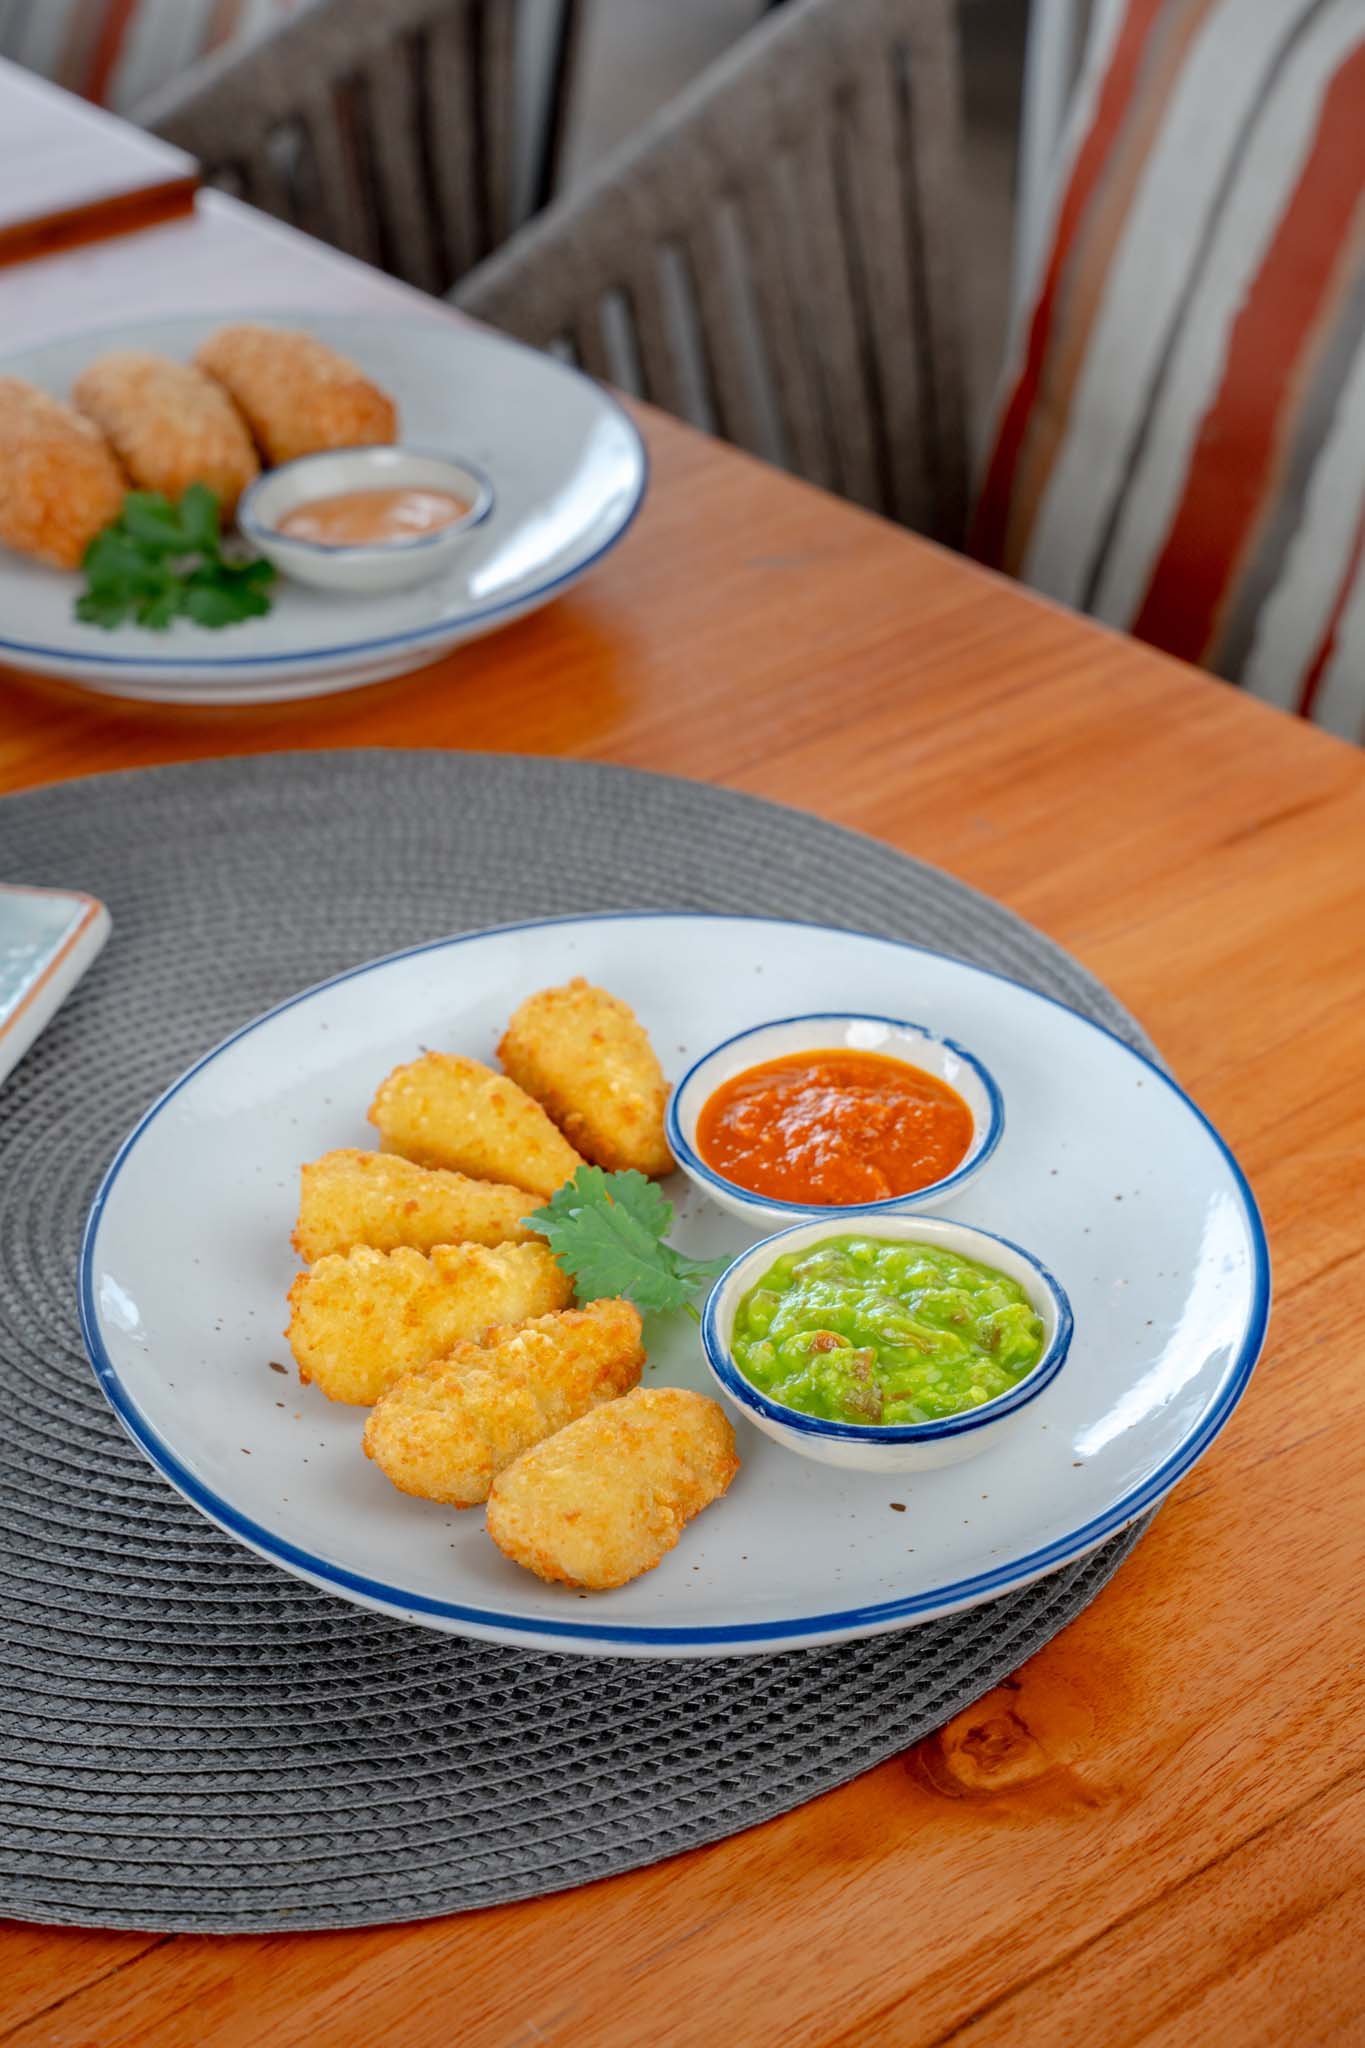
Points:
(1106, 1172)
(565, 463)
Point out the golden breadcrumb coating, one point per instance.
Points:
(376, 1198)
(59, 482)
(445, 1431)
(360, 1321)
(169, 425)
(607, 1497)
(445, 1110)
(296, 394)
(584, 1055)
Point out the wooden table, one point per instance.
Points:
(1156, 1831)
(70, 173)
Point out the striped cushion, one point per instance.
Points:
(1180, 444)
(119, 51)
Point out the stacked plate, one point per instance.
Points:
(568, 472)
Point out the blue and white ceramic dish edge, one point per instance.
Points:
(48, 938)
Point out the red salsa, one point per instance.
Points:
(834, 1128)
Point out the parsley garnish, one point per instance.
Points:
(160, 562)
(607, 1231)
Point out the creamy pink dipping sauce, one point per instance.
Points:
(368, 518)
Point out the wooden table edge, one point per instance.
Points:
(123, 213)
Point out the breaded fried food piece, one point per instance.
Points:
(585, 1057)
(59, 482)
(296, 394)
(445, 1431)
(446, 1110)
(376, 1198)
(169, 425)
(359, 1322)
(610, 1495)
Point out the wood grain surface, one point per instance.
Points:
(1155, 1832)
(71, 173)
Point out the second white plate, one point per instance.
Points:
(568, 470)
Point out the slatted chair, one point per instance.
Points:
(389, 130)
(773, 258)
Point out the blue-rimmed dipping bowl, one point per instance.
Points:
(848, 1031)
(363, 568)
(897, 1447)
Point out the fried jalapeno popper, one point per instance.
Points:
(169, 425)
(59, 482)
(445, 1110)
(445, 1431)
(376, 1198)
(608, 1496)
(584, 1055)
(297, 395)
(359, 1322)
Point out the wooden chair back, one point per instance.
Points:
(389, 130)
(774, 259)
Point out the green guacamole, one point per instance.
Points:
(866, 1329)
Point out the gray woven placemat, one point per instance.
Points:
(191, 1740)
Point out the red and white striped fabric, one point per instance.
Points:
(120, 51)
(1180, 444)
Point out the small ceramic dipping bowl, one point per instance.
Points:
(897, 1447)
(364, 568)
(849, 1031)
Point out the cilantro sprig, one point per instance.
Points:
(161, 561)
(607, 1231)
